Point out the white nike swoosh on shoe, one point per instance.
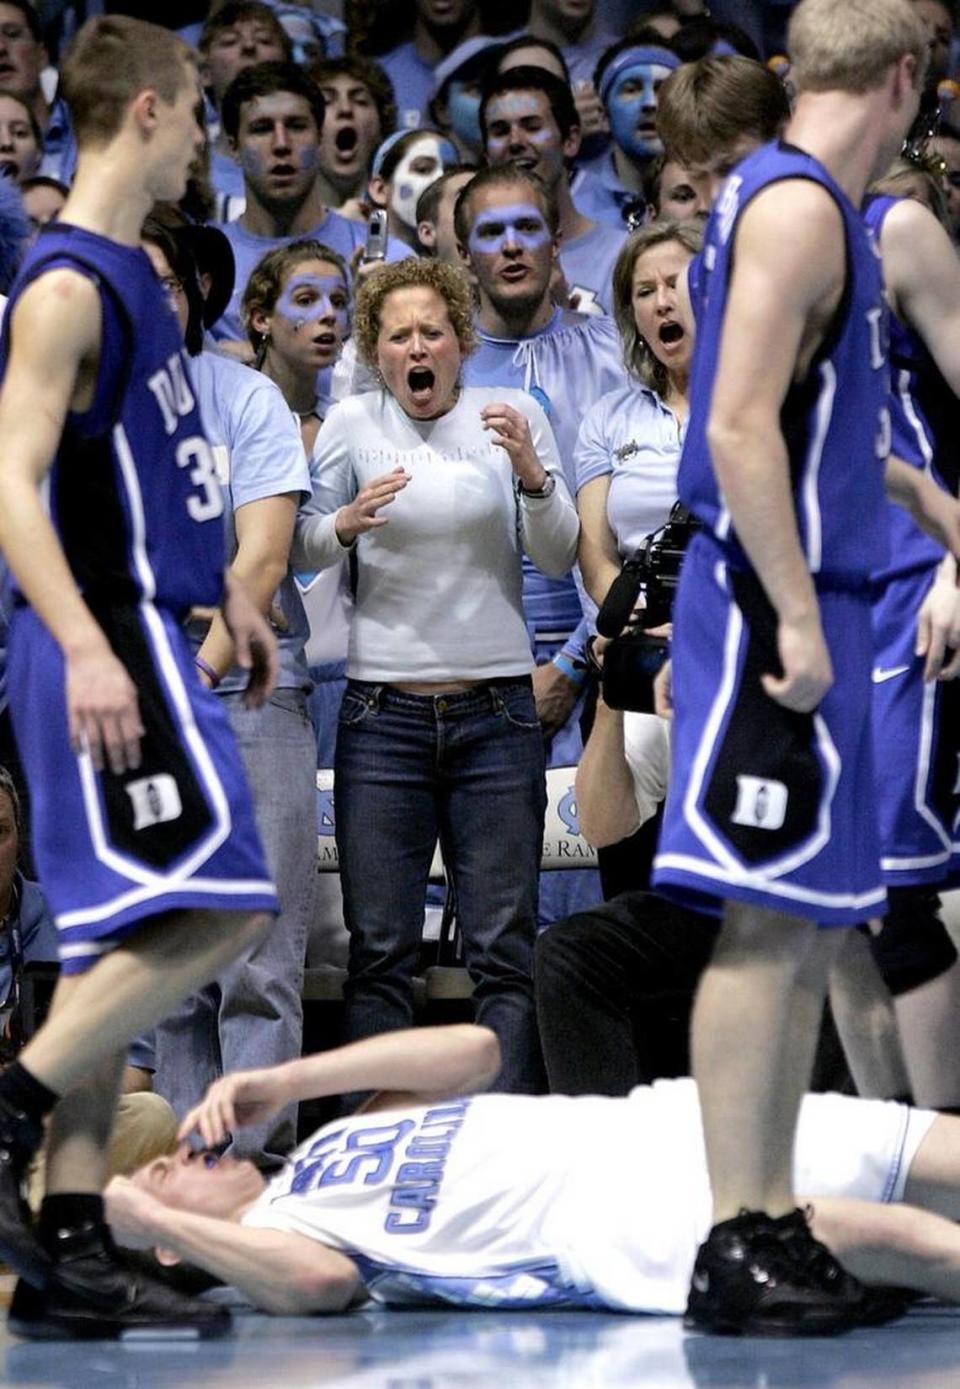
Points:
(880, 675)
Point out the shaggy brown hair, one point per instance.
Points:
(449, 281)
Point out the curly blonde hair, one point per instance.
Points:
(448, 281)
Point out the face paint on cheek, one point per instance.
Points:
(485, 240)
(308, 158)
(250, 161)
(626, 111)
(323, 287)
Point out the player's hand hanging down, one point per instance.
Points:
(102, 709)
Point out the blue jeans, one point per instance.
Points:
(252, 1015)
(468, 768)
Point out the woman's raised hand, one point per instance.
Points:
(362, 513)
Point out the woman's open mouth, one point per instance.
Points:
(670, 333)
(420, 382)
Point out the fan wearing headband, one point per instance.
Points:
(404, 166)
(628, 78)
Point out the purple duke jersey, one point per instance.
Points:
(837, 478)
(132, 526)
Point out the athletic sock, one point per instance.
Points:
(67, 1213)
(22, 1091)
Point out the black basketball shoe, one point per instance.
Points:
(92, 1294)
(20, 1137)
(756, 1276)
(877, 1304)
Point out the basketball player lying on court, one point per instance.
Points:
(432, 1194)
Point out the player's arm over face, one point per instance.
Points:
(787, 281)
(54, 352)
(279, 1271)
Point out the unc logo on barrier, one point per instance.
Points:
(761, 804)
(563, 844)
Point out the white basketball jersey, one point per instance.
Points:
(514, 1201)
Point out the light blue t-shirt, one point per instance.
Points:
(588, 266)
(259, 453)
(412, 79)
(341, 234)
(634, 438)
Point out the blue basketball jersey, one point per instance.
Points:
(133, 491)
(835, 421)
(924, 424)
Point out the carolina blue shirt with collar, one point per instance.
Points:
(598, 193)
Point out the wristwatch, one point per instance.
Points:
(547, 490)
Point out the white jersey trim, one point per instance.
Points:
(830, 759)
(811, 474)
(741, 877)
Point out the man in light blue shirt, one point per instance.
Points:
(506, 222)
(628, 77)
(272, 117)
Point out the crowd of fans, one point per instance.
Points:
(439, 434)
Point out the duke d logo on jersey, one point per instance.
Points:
(155, 799)
(761, 804)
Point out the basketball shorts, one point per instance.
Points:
(916, 735)
(179, 832)
(638, 1210)
(766, 805)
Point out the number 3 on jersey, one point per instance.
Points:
(197, 455)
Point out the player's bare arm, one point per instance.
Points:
(264, 536)
(787, 281)
(407, 1067)
(922, 276)
(281, 1272)
(54, 347)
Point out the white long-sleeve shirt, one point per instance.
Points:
(438, 594)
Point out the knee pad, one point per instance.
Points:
(913, 946)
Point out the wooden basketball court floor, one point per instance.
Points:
(496, 1350)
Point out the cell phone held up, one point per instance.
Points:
(376, 244)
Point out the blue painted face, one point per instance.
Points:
(633, 93)
(520, 225)
(463, 108)
(308, 298)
